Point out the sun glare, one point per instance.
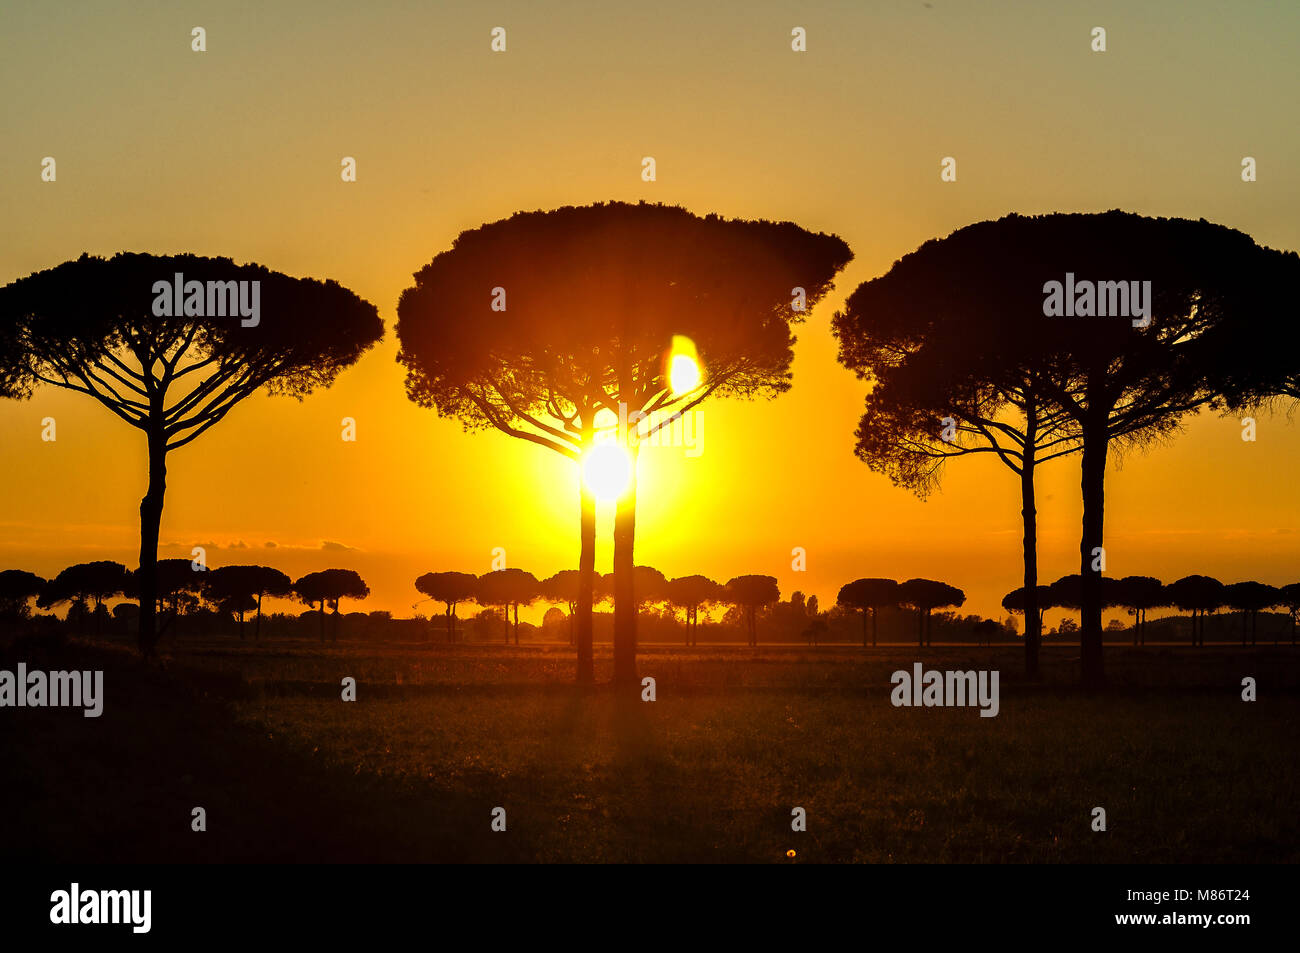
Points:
(607, 471)
(683, 365)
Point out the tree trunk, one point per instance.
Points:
(586, 587)
(151, 507)
(1093, 485)
(864, 626)
(624, 595)
(516, 623)
(873, 626)
(1029, 517)
(257, 626)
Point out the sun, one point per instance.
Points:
(607, 471)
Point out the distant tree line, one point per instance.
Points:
(180, 586)
(747, 602)
(1201, 596)
(510, 589)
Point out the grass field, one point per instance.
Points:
(439, 736)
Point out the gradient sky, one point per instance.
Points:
(236, 152)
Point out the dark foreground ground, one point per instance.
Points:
(439, 736)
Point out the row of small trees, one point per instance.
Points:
(1199, 595)
(509, 589)
(237, 590)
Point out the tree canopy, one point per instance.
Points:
(241, 588)
(751, 593)
(926, 595)
(869, 595)
(593, 298)
(690, 594)
(449, 588)
(1199, 595)
(1251, 598)
(17, 588)
(90, 325)
(330, 586)
(96, 581)
(509, 589)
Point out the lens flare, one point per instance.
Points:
(684, 374)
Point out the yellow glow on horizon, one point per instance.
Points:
(607, 471)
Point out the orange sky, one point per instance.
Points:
(236, 152)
